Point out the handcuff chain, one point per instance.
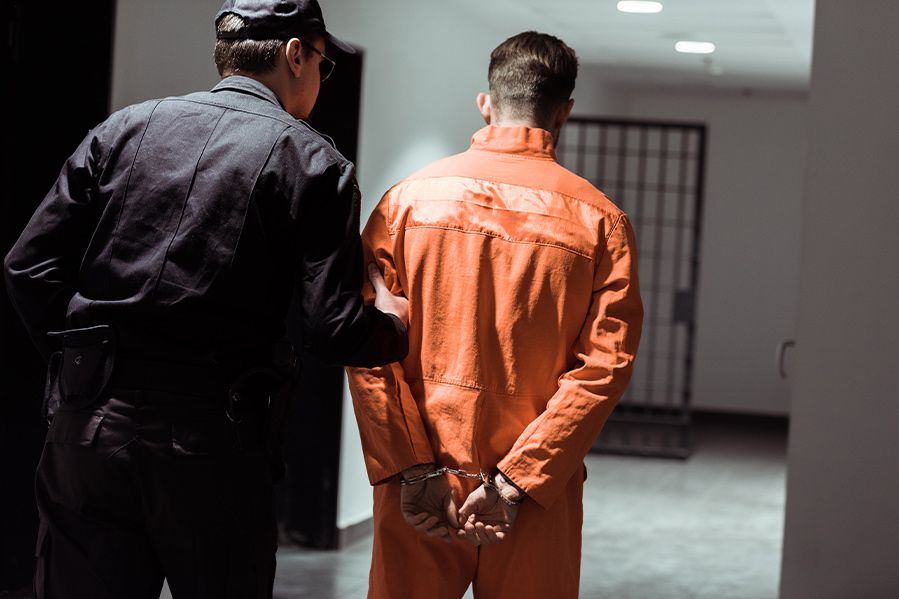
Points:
(441, 472)
(464, 474)
(422, 477)
(485, 479)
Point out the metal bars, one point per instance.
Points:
(654, 171)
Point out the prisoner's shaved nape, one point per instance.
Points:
(531, 74)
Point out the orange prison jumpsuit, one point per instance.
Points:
(525, 319)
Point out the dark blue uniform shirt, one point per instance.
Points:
(188, 222)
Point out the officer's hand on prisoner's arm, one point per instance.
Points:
(384, 300)
(428, 505)
(486, 516)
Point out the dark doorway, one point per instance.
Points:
(654, 172)
(56, 63)
(307, 498)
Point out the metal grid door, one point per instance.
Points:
(654, 172)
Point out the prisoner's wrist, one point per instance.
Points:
(418, 470)
(508, 490)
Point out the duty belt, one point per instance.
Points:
(170, 377)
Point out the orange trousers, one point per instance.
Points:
(540, 559)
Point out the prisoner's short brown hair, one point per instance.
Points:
(530, 75)
(248, 56)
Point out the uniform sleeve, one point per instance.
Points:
(337, 326)
(41, 269)
(553, 446)
(393, 434)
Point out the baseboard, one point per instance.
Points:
(743, 419)
(355, 533)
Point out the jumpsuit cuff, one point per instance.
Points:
(534, 487)
(385, 475)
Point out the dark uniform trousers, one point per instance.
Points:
(146, 485)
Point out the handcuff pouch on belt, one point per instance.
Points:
(79, 372)
(272, 387)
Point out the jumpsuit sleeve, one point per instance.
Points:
(41, 269)
(553, 446)
(337, 326)
(390, 425)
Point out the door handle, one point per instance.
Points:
(779, 358)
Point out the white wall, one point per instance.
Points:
(842, 515)
(162, 48)
(594, 96)
(755, 161)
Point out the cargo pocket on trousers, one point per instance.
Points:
(75, 427)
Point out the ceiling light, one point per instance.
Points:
(639, 6)
(695, 47)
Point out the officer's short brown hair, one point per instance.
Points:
(530, 75)
(246, 55)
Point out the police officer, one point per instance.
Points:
(156, 277)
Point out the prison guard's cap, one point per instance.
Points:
(278, 20)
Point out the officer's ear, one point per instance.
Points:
(293, 52)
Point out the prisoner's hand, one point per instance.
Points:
(428, 506)
(386, 301)
(486, 518)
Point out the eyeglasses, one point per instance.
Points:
(325, 65)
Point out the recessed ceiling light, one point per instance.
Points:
(695, 47)
(639, 6)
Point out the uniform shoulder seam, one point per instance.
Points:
(292, 124)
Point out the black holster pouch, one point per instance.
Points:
(275, 385)
(79, 372)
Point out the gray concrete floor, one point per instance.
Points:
(706, 528)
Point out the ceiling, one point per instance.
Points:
(761, 44)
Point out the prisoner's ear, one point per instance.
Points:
(485, 107)
(563, 113)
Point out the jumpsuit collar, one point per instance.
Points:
(249, 86)
(524, 141)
